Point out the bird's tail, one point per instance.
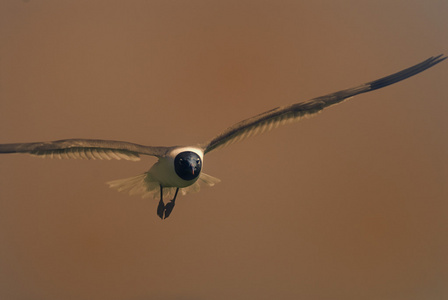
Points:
(146, 186)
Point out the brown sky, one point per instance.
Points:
(350, 204)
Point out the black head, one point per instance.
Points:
(187, 165)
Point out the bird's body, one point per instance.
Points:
(163, 173)
(179, 168)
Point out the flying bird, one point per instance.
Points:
(179, 168)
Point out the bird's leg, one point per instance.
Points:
(170, 205)
(161, 206)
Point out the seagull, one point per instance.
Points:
(179, 168)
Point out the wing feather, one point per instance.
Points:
(84, 149)
(292, 113)
(95, 154)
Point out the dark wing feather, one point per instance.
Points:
(84, 149)
(287, 114)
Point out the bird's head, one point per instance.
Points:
(187, 165)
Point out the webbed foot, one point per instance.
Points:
(160, 209)
(169, 208)
(164, 211)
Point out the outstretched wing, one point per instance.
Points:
(287, 114)
(85, 149)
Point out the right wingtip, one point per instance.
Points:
(439, 58)
(406, 73)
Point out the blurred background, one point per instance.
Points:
(350, 204)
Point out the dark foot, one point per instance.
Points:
(169, 208)
(160, 209)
